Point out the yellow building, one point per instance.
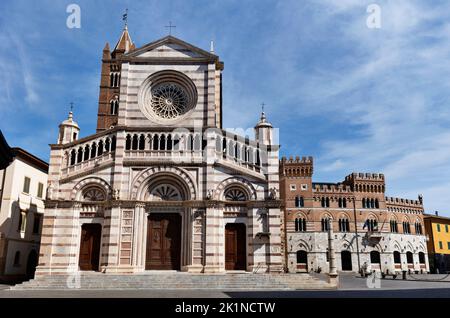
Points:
(438, 230)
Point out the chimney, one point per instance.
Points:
(436, 213)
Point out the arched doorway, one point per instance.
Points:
(346, 260)
(89, 258)
(302, 261)
(31, 264)
(163, 249)
(235, 246)
(163, 241)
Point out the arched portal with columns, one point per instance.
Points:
(164, 223)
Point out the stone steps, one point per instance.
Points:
(245, 281)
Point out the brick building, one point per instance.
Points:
(368, 227)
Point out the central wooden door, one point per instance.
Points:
(235, 258)
(163, 241)
(90, 247)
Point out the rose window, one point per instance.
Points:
(169, 100)
(167, 96)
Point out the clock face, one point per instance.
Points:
(167, 97)
(169, 100)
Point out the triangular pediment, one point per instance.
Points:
(171, 47)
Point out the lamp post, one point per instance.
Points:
(356, 235)
(332, 275)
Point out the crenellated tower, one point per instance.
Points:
(296, 180)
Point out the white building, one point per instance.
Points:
(22, 191)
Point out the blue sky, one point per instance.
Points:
(355, 98)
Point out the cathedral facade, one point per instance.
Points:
(160, 185)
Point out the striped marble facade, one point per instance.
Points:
(124, 164)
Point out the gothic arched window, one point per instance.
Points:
(325, 224)
(300, 225)
(114, 109)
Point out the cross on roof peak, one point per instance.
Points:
(170, 26)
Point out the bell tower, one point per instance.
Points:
(109, 97)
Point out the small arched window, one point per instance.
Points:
(344, 203)
(325, 224)
(114, 107)
(397, 258)
(371, 224)
(406, 228)
(375, 257)
(73, 157)
(141, 142)
(344, 225)
(128, 143)
(325, 202)
(258, 158)
(107, 145)
(224, 147)
(86, 153)
(418, 227)
(409, 258)
(421, 257)
(155, 142)
(394, 226)
(300, 225)
(100, 148)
